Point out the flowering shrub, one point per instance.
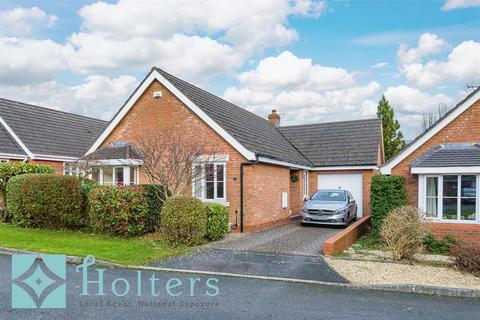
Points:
(117, 211)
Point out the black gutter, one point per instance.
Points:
(242, 164)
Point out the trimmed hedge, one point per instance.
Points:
(184, 220)
(155, 199)
(11, 169)
(387, 193)
(117, 211)
(217, 221)
(15, 200)
(46, 200)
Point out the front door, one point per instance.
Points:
(118, 176)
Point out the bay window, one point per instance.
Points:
(450, 197)
(209, 181)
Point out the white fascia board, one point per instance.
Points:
(387, 168)
(283, 163)
(47, 157)
(155, 75)
(113, 162)
(333, 168)
(15, 137)
(15, 156)
(444, 170)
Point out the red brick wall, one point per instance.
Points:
(465, 128)
(58, 166)
(466, 232)
(345, 238)
(263, 187)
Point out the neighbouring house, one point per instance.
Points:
(442, 171)
(255, 158)
(45, 136)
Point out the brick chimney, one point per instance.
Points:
(274, 117)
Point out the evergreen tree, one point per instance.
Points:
(392, 136)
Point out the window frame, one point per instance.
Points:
(422, 194)
(305, 184)
(203, 181)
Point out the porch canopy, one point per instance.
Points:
(448, 158)
(115, 164)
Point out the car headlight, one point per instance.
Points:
(341, 211)
(304, 210)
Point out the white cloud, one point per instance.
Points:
(407, 100)
(21, 21)
(380, 65)
(27, 61)
(308, 92)
(460, 4)
(162, 19)
(190, 56)
(428, 44)
(98, 96)
(462, 63)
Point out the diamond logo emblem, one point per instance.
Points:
(38, 282)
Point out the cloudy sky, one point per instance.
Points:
(312, 60)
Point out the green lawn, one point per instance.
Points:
(127, 251)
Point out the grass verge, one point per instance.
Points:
(135, 251)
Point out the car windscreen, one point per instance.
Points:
(329, 196)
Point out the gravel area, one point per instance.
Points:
(370, 273)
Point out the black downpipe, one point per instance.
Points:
(242, 164)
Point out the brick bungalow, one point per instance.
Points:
(255, 157)
(442, 171)
(44, 136)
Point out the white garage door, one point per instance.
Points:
(350, 182)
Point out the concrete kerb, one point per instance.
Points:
(407, 288)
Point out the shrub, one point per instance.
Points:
(46, 201)
(439, 246)
(403, 232)
(184, 220)
(11, 169)
(387, 193)
(14, 192)
(217, 221)
(117, 211)
(155, 199)
(467, 258)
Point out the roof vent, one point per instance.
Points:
(157, 94)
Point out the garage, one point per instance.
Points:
(347, 181)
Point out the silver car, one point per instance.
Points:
(330, 206)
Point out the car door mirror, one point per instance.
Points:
(351, 200)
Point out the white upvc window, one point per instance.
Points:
(450, 197)
(305, 184)
(117, 176)
(210, 181)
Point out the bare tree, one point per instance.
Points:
(431, 117)
(169, 159)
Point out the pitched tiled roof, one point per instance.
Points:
(450, 155)
(7, 144)
(50, 132)
(253, 132)
(345, 143)
(115, 151)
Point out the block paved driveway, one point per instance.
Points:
(288, 251)
(291, 238)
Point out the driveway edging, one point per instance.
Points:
(407, 288)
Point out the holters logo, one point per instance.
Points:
(38, 281)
